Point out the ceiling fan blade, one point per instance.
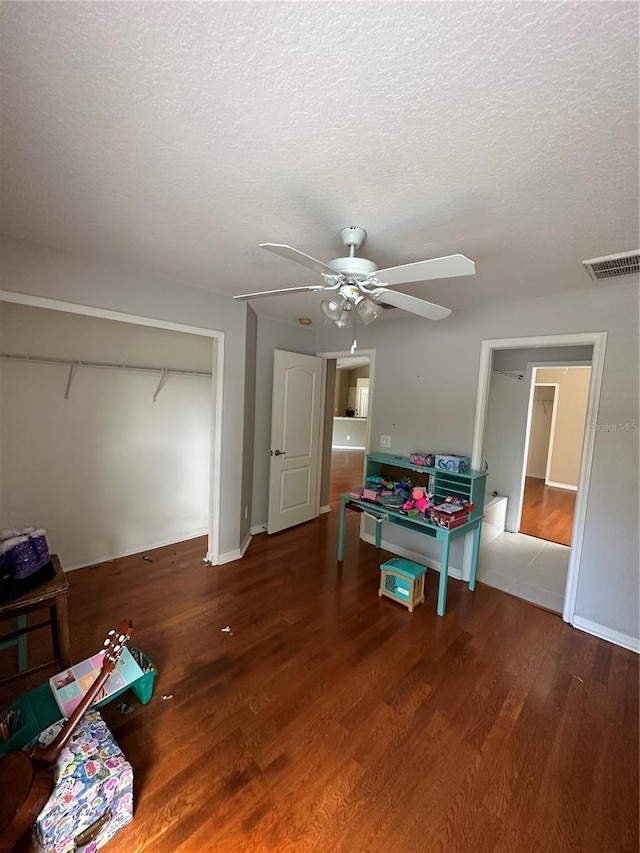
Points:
(448, 267)
(298, 257)
(316, 287)
(412, 304)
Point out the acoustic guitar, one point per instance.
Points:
(26, 779)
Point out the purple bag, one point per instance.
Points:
(24, 554)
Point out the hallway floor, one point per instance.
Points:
(527, 567)
(547, 512)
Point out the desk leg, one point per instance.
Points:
(378, 534)
(444, 570)
(343, 512)
(474, 558)
(60, 628)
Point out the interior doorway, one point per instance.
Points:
(350, 432)
(349, 401)
(541, 571)
(209, 436)
(555, 437)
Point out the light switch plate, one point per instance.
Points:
(385, 441)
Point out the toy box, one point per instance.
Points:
(451, 513)
(92, 797)
(403, 581)
(449, 462)
(68, 687)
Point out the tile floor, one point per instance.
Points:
(530, 568)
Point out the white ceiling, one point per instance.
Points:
(174, 137)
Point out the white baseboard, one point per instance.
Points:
(561, 485)
(258, 528)
(245, 544)
(412, 555)
(82, 563)
(230, 556)
(324, 509)
(604, 633)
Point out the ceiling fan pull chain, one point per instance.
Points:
(354, 343)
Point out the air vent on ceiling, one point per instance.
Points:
(613, 266)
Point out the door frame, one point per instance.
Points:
(527, 436)
(217, 390)
(371, 355)
(598, 340)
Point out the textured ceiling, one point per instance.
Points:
(174, 137)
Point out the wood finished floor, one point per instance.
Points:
(547, 512)
(347, 471)
(333, 720)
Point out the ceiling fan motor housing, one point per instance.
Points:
(355, 268)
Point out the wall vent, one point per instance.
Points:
(613, 266)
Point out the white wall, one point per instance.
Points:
(349, 432)
(107, 472)
(571, 412)
(272, 335)
(540, 431)
(29, 268)
(425, 397)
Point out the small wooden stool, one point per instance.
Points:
(403, 581)
(51, 595)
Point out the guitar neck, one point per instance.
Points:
(48, 754)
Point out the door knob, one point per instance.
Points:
(281, 452)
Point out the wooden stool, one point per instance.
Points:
(51, 595)
(403, 581)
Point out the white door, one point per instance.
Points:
(295, 440)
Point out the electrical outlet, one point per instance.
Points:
(348, 438)
(385, 441)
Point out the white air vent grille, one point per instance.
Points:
(613, 266)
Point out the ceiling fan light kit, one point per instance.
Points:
(361, 286)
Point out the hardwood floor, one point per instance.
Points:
(547, 512)
(332, 720)
(347, 468)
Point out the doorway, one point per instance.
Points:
(520, 553)
(555, 429)
(348, 405)
(209, 437)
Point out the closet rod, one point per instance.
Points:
(507, 373)
(77, 363)
(74, 364)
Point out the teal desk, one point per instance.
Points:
(384, 515)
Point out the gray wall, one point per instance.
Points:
(425, 397)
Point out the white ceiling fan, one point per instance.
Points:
(359, 289)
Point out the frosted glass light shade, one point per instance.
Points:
(337, 309)
(368, 310)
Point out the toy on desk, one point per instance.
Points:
(452, 462)
(451, 513)
(425, 460)
(419, 502)
(376, 488)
